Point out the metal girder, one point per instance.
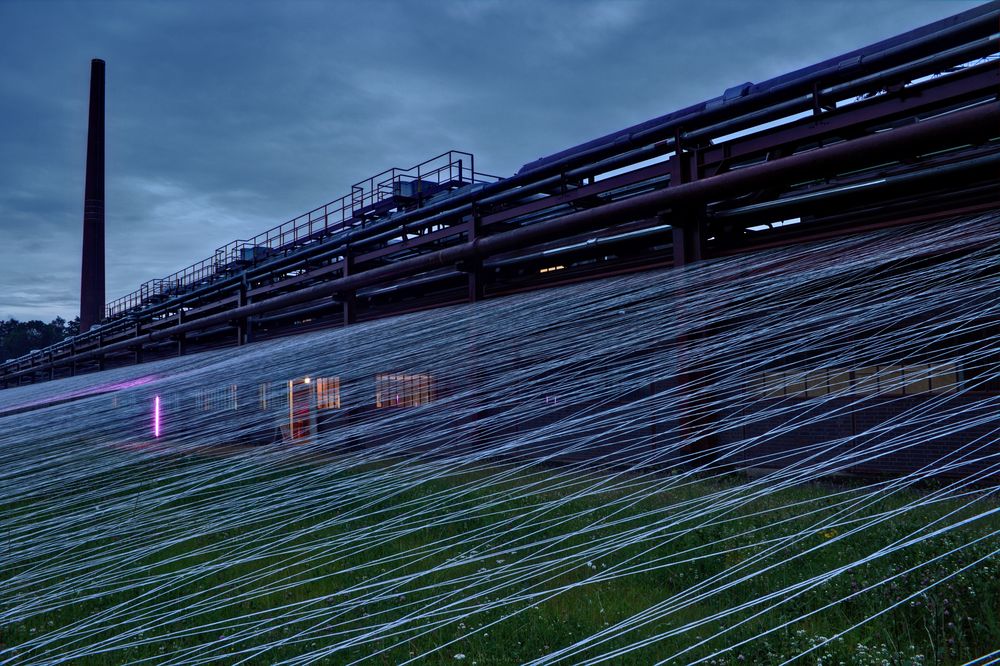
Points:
(968, 126)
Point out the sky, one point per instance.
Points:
(227, 118)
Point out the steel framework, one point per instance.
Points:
(908, 128)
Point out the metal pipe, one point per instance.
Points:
(866, 188)
(506, 190)
(972, 24)
(967, 126)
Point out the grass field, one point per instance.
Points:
(453, 569)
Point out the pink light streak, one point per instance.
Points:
(156, 416)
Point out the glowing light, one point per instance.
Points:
(306, 380)
(156, 416)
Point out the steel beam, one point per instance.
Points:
(962, 127)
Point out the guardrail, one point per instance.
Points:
(369, 199)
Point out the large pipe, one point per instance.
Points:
(966, 25)
(919, 43)
(92, 271)
(968, 126)
(453, 208)
(864, 69)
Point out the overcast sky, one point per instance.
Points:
(226, 118)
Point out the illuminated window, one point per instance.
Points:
(328, 393)
(263, 395)
(551, 268)
(392, 390)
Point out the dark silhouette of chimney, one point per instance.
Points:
(92, 275)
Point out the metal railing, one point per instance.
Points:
(370, 199)
(928, 51)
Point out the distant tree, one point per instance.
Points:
(18, 338)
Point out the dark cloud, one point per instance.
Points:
(225, 118)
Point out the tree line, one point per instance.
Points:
(17, 338)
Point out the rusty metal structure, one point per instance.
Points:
(902, 130)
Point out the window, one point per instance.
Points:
(916, 379)
(866, 380)
(885, 380)
(840, 381)
(396, 390)
(944, 378)
(817, 383)
(210, 400)
(774, 384)
(328, 393)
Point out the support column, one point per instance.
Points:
(137, 350)
(244, 332)
(181, 337)
(688, 223)
(476, 281)
(100, 354)
(688, 238)
(475, 266)
(349, 300)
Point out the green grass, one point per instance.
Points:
(956, 621)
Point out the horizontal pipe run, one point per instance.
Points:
(891, 53)
(880, 62)
(968, 126)
(449, 211)
(867, 187)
